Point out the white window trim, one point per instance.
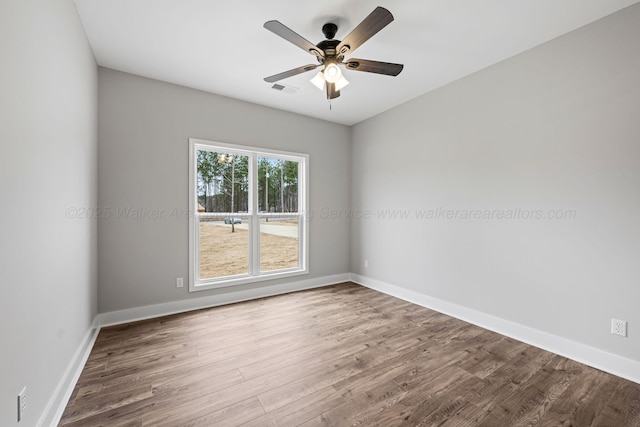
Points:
(253, 216)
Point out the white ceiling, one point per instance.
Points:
(221, 47)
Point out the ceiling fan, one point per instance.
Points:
(331, 52)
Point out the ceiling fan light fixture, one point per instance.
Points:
(330, 53)
(332, 73)
(318, 81)
(341, 83)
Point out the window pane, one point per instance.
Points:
(224, 247)
(277, 185)
(279, 243)
(223, 182)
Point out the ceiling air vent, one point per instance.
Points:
(284, 88)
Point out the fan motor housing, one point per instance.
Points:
(329, 49)
(328, 46)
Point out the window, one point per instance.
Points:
(249, 210)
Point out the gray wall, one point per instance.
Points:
(48, 146)
(557, 127)
(144, 130)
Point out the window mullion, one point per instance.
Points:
(254, 256)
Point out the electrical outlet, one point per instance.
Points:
(366, 263)
(179, 282)
(619, 327)
(22, 403)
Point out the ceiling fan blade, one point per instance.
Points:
(331, 91)
(295, 71)
(376, 21)
(386, 68)
(291, 36)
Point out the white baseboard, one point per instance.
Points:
(591, 356)
(173, 307)
(58, 401)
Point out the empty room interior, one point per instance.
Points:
(445, 232)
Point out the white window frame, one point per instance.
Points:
(252, 216)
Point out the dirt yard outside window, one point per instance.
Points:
(226, 253)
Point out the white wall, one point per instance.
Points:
(556, 127)
(48, 146)
(144, 129)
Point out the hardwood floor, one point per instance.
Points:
(337, 356)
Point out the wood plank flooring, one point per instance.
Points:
(337, 356)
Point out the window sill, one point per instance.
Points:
(243, 280)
